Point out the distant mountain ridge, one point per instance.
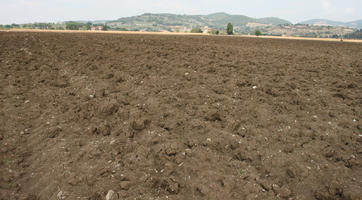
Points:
(215, 20)
(214, 23)
(326, 22)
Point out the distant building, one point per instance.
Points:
(206, 30)
(96, 28)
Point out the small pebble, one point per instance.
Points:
(60, 195)
(111, 195)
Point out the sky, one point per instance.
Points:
(27, 11)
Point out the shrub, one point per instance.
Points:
(196, 30)
(215, 32)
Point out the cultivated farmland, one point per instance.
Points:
(178, 117)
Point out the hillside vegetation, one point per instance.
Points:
(355, 35)
(215, 23)
(326, 22)
(160, 22)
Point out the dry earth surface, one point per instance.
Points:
(178, 117)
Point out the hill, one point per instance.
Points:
(159, 22)
(209, 24)
(326, 22)
(356, 24)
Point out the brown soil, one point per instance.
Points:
(178, 117)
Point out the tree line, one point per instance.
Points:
(354, 35)
(71, 25)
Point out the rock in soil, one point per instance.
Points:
(111, 195)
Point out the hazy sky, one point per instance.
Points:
(23, 11)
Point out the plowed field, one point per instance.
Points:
(178, 117)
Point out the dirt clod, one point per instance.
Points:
(125, 185)
(52, 132)
(139, 124)
(109, 108)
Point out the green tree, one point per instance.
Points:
(89, 25)
(73, 25)
(105, 27)
(196, 30)
(229, 29)
(257, 33)
(15, 25)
